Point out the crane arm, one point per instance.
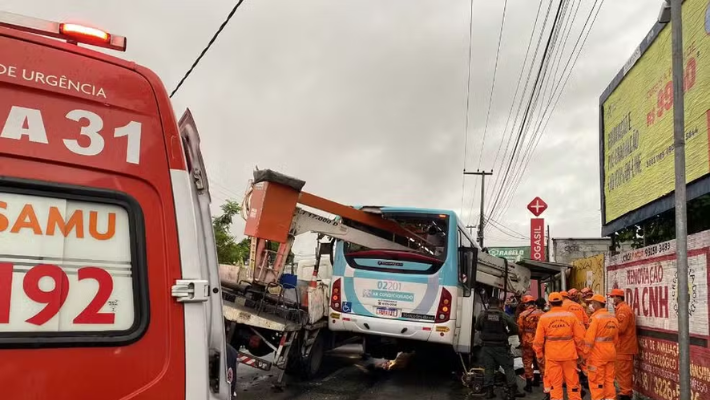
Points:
(306, 221)
(272, 215)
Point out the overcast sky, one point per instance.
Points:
(366, 100)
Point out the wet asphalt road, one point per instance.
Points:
(348, 378)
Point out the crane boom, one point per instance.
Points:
(306, 221)
(273, 215)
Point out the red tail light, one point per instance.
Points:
(336, 296)
(443, 313)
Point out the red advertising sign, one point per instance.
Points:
(657, 370)
(537, 239)
(537, 206)
(648, 277)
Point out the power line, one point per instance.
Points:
(559, 90)
(468, 100)
(538, 92)
(221, 27)
(493, 83)
(527, 110)
(497, 181)
(549, 90)
(508, 231)
(490, 102)
(520, 79)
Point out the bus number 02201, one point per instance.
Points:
(55, 298)
(23, 121)
(389, 285)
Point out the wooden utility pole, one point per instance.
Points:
(481, 221)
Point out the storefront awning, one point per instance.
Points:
(543, 270)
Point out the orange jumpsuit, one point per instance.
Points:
(559, 338)
(576, 309)
(626, 349)
(527, 323)
(600, 354)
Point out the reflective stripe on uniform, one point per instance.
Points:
(560, 338)
(557, 314)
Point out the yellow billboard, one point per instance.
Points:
(637, 119)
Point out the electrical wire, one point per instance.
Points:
(493, 83)
(557, 94)
(527, 111)
(468, 101)
(497, 178)
(209, 44)
(490, 102)
(520, 78)
(538, 91)
(508, 231)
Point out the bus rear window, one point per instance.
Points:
(434, 228)
(66, 267)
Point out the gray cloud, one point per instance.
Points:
(365, 99)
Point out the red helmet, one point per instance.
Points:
(528, 299)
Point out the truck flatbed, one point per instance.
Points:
(237, 312)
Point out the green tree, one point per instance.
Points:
(229, 251)
(661, 228)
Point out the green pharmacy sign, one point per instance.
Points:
(512, 254)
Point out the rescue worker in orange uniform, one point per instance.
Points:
(571, 304)
(541, 304)
(600, 350)
(586, 295)
(574, 308)
(558, 340)
(527, 324)
(627, 347)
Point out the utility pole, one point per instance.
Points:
(481, 222)
(681, 216)
(470, 229)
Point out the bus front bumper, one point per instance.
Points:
(394, 328)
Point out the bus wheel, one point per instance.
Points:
(311, 365)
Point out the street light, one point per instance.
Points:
(673, 13)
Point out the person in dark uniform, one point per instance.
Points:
(495, 327)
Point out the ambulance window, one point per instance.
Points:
(70, 266)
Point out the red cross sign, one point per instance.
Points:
(537, 206)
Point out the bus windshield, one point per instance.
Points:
(432, 227)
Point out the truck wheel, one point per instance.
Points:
(311, 365)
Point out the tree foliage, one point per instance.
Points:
(661, 228)
(229, 251)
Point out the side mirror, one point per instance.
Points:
(469, 262)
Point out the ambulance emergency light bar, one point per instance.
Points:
(71, 32)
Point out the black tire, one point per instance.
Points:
(311, 366)
(261, 351)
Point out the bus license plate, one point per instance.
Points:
(387, 312)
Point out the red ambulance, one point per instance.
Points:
(109, 285)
